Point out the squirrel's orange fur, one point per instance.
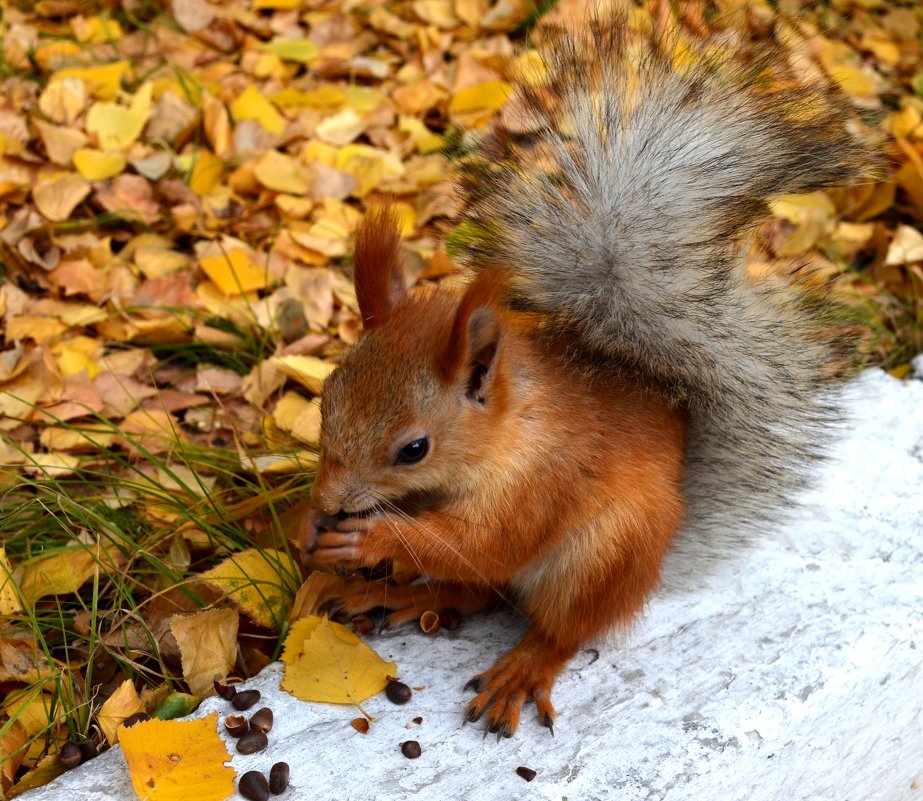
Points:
(569, 511)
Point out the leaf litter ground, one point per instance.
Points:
(179, 189)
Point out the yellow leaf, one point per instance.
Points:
(205, 175)
(322, 98)
(298, 416)
(489, 95)
(282, 173)
(103, 82)
(800, 209)
(10, 603)
(38, 329)
(362, 98)
(78, 354)
(123, 703)
(235, 272)
(154, 255)
(327, 662)
(309, 371)
(251, 105)
(425, 140)
(277, 5)
(288, 407)
(436, 12)
(12, 750)
(531, 68)
(96, 30)
(208, 647)
(117, 127)
(55, 53)
(58, 573)
(51, 465)
(254, 580)
(907, 123)
(406, 216)
(175, 760)
(85, 439)
(369, 166)
(341, 128)
(303, 51)
(58, 196)
(63, 100)
(97, 165)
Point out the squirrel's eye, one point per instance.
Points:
(413, 451)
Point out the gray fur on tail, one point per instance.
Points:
(625, 233)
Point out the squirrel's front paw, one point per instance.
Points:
(344, 541)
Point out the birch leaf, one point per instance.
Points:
(175, 760)
(325, 661)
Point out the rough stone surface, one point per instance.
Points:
(793, 671)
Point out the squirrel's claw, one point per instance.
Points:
(502, 690)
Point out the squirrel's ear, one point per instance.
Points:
(476, 332)
(378, 267)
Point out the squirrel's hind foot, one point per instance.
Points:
(528, 671)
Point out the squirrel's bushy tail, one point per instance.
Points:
(621, 220)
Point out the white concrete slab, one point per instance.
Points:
(793, 671)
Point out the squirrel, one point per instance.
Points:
(611, 374)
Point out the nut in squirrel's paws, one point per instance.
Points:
(502, 690)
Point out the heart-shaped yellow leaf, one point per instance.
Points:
(325, 661)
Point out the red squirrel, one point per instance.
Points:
(610, 374)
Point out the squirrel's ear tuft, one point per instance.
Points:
(476, 332)
(378, 267)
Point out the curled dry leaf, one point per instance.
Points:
(122, 704)
(208, 645)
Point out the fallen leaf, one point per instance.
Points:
(325, 661)
(123, 703)
(57, 196)
(316, 588)
(282, 173)
(300, 50)
(251, 105)
(98, 165)
(58, 573)
(12, 751)
(174, 760)
(10, 602)
(309, 371)
(208, 645)
(115, 126)
(906, 247)
(436, 12)
(256, 581)
(131, 197)
(50, 465)
(63, 101)
(103, 81)
(340, 129)
(235, 272)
